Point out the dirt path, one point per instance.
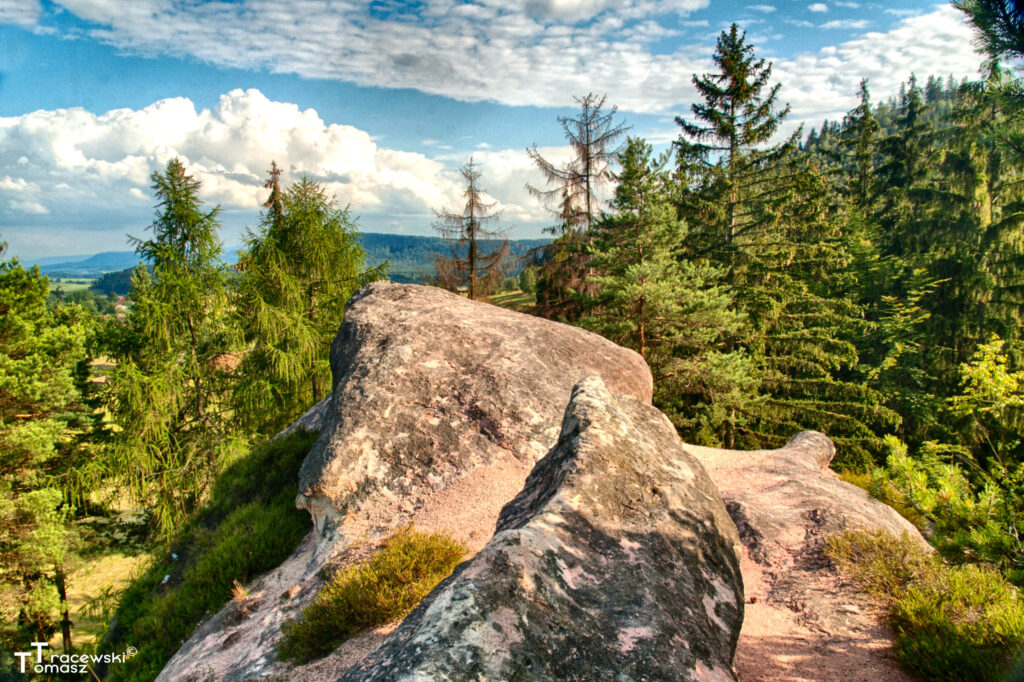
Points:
(801, 621)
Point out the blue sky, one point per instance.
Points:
(383, 101)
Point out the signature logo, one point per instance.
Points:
(66, 664)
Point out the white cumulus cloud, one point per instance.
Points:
(823, 84)
(846, 24)
(533, 53)
(32, 207)
(93, 171)
(536, 53)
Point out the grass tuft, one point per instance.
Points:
(379, 590)
(950, 622)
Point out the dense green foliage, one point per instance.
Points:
(763, 214)
(42, 417)
(167, 392)
(970, 491)
(678, 314)
(117, 282)
(248, 525)
(377, 591)
(949, 623)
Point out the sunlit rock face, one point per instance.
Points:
(429, 385)
(617, 561)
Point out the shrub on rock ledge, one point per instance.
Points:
(382, 589)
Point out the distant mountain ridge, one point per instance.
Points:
(88, 266)
(411, 256)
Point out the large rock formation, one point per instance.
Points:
(429, 385)
(803, 621)
(440, 408)
(617, 561)
(617, 558)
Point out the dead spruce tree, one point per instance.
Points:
(572, 194)
(470, 265)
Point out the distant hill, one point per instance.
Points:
(89, 266)
(50, 260)
(411, 256)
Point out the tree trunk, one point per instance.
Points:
(643, 329)
(65, 623)
(314, 382)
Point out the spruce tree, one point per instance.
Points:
(297, 272)
(765, 214)
(999, 24)
(167, 393)
(858, 140)
(902, 177)
(573, 195)
(722, 159)
(469, 265)
(948, 203)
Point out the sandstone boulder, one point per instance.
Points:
(617, 561)
(429, 385)
(804, 621)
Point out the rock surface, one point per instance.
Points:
(617, 561)
(429, 385)
(440, 408)
(803, 622)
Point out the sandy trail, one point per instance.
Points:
(824, 629)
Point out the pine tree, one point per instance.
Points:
(297, 273)
(167, 393)
(468, 265)
(676, 314)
